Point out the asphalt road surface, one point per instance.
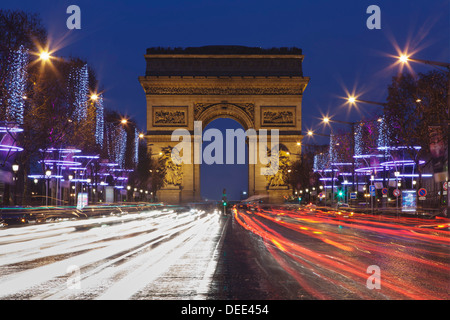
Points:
(255, 253)
(149, 255)
(292, 253)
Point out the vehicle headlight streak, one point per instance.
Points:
(138, 247)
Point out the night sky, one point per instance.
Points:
(341, 53)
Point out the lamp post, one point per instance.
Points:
(48, 173)
(354, 100)
(15, 169)
(404, 59)
(396, 173)
(70, 177)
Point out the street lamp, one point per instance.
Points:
(351, 99)
(44, 55)
(48, 173)
(354, 100)
(403, 58)
(311, 133)
(15, 168)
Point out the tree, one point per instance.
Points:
(142, 175)
(302, 174)
(19, 32)
(414, 104)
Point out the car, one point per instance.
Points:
(342, 205)
(311, 207)
(343, 214)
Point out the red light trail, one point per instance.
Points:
(322, 247)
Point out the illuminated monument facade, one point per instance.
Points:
(259, 88)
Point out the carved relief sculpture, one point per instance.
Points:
(172, 173)
(280, 177)
(273, 116)
(169, 116)
(248, 108)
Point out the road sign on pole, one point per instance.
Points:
(372, 190)
(422, 192)
(396, 192)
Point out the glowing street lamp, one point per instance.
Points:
(327, 120)
(48, 173)
(403, 58)
(353, 100)
(44, 56)
(311, 133)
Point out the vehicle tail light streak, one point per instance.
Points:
(340, 257)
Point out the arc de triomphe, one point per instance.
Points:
(259, 88)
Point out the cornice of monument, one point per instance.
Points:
(182, 85)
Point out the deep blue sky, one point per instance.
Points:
(340, 52)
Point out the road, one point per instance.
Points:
(313, 254)
(149, 255)
(256, 253)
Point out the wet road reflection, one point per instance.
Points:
(329, 254)
(148, 255)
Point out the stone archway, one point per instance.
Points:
(260, 89)
(243, 113)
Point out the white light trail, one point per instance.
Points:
(117, 255)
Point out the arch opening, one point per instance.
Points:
(234, 177)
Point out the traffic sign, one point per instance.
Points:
(422, 192)
(445, 186)
(353, 195)
(372, 190)
(396, 192)
(384, 191)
